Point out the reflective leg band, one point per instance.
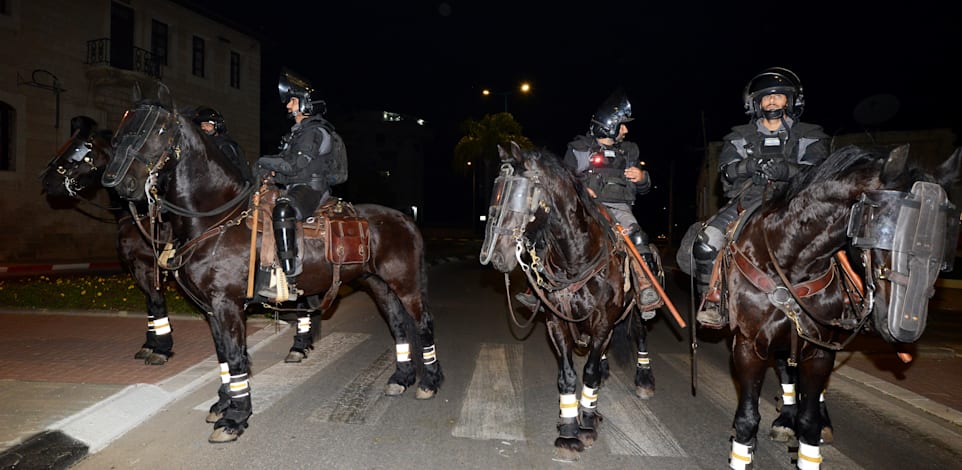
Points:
(428, 356)
(162, 326)
(224, 373)
(569, 406)
(821, 397)
(741, 456)
(604, 356)
(239, 386)
(643, 361)
(403, 352)
(809, 457)
(589, 397)
(304, 325)
(150, 323)
(788, 394)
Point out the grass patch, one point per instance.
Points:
(112, 292)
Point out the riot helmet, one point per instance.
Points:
(774, 80)
(609, 117)
(205, 114)
(291, 85)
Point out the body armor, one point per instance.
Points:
(603, 169)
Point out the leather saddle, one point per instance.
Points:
(346, 237)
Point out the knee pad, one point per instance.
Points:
(637, 235)
(707, 243)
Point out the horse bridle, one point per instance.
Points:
(130, 143)
(78, 156)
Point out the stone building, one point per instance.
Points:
(64, 59)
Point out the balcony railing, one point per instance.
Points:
(126, 57)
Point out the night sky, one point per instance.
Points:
(683, 64)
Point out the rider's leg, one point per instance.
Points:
(704, 251)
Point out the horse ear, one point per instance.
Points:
(136, 95)
(895, 163)
(516, 151)
(504, 155)
(948, 172)
(163, 95)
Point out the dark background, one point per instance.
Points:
(683, 64)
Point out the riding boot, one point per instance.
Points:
(639, 238)
(709, 315)
(285, 235)
(528, 299)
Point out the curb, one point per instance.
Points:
(52, 268)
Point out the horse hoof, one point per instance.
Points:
(143, 353)
(568, 449)
(295, 356)
(645, 392)
(221, 435)
(422, 394)
(781, 434)
(828, 435)
(394, 390)
(587, 437)
(214, 416)
(156, 359)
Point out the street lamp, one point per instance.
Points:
(524, 88)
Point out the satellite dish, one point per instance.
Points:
(876, 109)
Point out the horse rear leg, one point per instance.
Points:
(567, 445)
(303, 337)
(750, 374)
(401, 326)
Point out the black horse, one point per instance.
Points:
(542, 217)
(75, 171)
(208, 203)
(789, 295)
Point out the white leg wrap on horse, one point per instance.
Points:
(304, 325)
(224, 373)
(809, 457)
(821, 397)
(239, 386)
(788, 394)
(428, 356)
(403, 352)
(604, 356)
(589, 397)
(741, 456)
(569, 406)
(162, 326)
(644, 362)
(150, 323)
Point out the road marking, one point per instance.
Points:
(630, 427)
(362, 400)
(719, 387)
(271, 384)
(493, 406)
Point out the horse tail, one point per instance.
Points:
(621, 349)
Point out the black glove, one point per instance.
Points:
(261, 173)
(771, 170)
(740, 170)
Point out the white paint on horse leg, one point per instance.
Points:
(717, 385)
(493, 406)
(631, 428)
(273, 383)
(788, 394)
(741, 456)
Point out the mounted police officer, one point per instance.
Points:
(304, 170)
(611, 169)
(757, 162)
(212, 123)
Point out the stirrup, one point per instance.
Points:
(710, 316)
(278, 289)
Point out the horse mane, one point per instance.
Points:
(563, 180)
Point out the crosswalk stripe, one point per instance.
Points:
(719, 388)
(273, 383)
(362, 400)
(630, 427)
(493, 406)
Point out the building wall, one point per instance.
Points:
(46, 40)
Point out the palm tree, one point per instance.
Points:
(478, 151)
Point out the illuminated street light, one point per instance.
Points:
(523, 88)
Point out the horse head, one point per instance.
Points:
(537, 203)
(907, 230)
(148, 136)
(78, 164)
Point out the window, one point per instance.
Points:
(234, 70)
(198, 62)
(158, 41)
(7, 122)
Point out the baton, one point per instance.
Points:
(651, 277)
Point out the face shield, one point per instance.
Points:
(136, 126)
